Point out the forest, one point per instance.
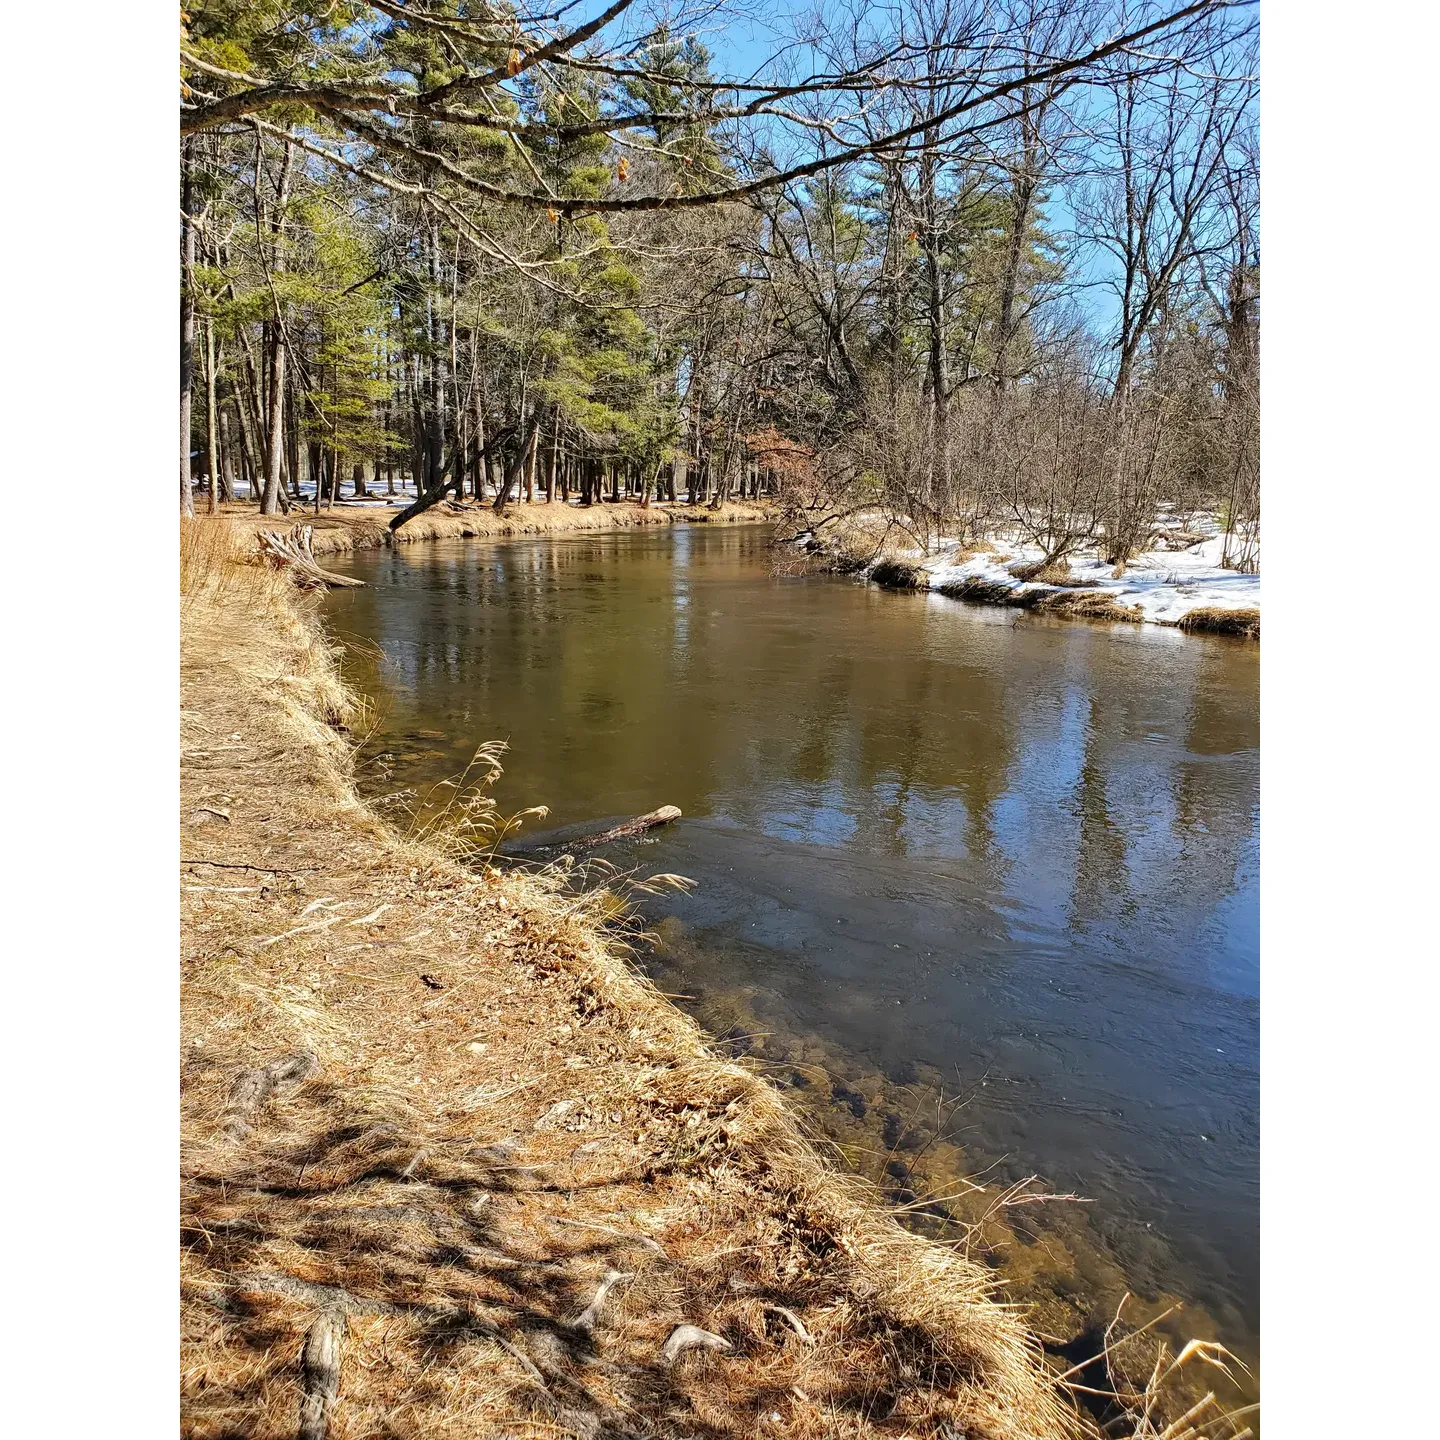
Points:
(962, 265)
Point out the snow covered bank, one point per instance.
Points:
(1185, 586)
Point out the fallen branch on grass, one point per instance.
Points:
(259, 869)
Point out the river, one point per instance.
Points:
(981, 890)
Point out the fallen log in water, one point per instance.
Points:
(641, 823)
(584, 837)
(292, 551)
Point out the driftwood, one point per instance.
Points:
(792, 1320)
(590, 1316)
(690, 1337)
(321, 1363)
(638, 826)
(292, 551)
(580, 838)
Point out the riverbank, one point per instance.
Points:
(1180, 583)
(367, 526)
(450, 1165)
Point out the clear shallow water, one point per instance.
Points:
(934, 844)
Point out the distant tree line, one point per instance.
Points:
(513, 255)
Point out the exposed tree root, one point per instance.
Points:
(321, 1363)
(292, 552)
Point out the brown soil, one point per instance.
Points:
(428, 1110)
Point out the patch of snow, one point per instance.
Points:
(1163, 585)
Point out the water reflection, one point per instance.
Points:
(1016, 857)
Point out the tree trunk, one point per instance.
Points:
(249, 458)
(291, 484)
(435, 418)
(187, 328)
(519, 465)
(275, 448)
(212, 439)
(270, 503)
(1010, 284)
(477, 483)
(227, 460)
(249, 410)
(437, 492)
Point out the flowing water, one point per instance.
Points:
(983, 890)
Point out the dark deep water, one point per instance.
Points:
(935, 845)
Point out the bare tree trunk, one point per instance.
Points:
(1019, 224)
(212, 439)
(517, 468)
(435, 419)
(227, 459)
(270, 503)
(187, 328)
(478, 478)
(275, 448)
(249, 449)
(249, 410)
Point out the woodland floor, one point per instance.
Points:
(451, 1167)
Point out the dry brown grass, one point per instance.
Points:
(208, 548)
(980, 590)
(899, 575)
(1055, 573)
(1245, 623)
(1079, 604)
(493, 1112)
(341, 530)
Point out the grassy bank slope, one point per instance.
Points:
(368, 527)
(429, 1115)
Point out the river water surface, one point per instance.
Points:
(942, 854)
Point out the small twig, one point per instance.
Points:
(301, 930)
(262, 869)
